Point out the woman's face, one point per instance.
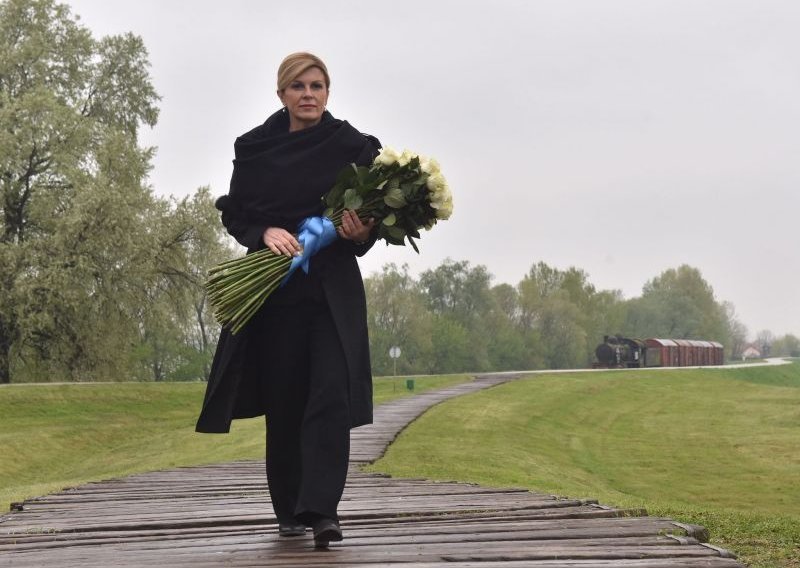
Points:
(305, 99)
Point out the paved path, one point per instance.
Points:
(220, 515)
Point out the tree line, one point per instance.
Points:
(102, 279)
(453, 319)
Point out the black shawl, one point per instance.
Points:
(279, 177)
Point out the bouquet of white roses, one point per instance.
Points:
(403, 192)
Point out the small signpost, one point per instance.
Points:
(394, 353)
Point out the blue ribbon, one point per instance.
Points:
(315, 233)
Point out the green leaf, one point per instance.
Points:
(362, 174)
(395, 198)
(389, 220)
(334, 197)
(352, 200)
(396, 232)
(383, 233)
(346, 175)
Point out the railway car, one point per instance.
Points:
(618, 352)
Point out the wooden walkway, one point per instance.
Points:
(220, 515)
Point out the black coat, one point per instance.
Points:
(233, 387)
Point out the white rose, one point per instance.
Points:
(444, 192)
(442, 202)
(445, 210)
(435, 182)
(429, 165)
(387, 157)
(406, 157)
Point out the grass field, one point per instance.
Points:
(714, 447)
(56, 436)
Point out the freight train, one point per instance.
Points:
(623, 352)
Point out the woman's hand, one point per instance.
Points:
(281, 241)
(353, 229)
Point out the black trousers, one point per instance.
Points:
(305, 395)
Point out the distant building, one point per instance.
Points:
(751, 352)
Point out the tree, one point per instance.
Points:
(457, 290)
(561, 326)
(207, 247)
(678, 303)
(736, 336)
(557, 311)
(505, 300)
(506, 348)
(73, 181)
(452, 349)
(459, 296)
(534, 289)
(397, 317)
(764, 340)
(178, 331)
(786, 346)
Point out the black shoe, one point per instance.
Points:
(292, 528)
(325, 531)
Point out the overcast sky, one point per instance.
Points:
(621, 137)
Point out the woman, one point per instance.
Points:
(304, 358)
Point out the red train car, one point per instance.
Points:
(661, 353)
(617, 351)
(719, 353)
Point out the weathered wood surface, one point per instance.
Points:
(219, 515)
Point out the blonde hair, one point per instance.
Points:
(298, 63)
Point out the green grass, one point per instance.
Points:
(57, 436)
(714, 447)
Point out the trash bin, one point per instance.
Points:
(410, 384)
